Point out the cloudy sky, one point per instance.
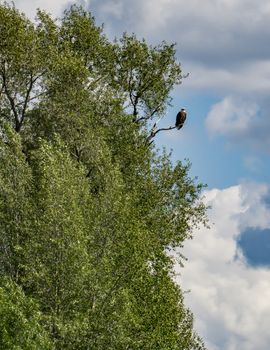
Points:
(224, 45)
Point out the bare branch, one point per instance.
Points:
(2, 89)
(26, 100)
(14, 106)
(154, 132)
(11, 99)
(93, 83)
(141, 119)
(32, 98)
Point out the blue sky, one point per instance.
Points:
(224, 45)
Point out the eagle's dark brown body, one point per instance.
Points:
(180, 118)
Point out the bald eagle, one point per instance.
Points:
(180, 118)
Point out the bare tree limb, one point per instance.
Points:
(32, 98)
(11, 100)
(26, 100)
(154, 132)
(19, 117)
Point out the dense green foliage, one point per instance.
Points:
(89, 211)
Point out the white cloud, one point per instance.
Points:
(251, 78)
(29, 7)
(112, 9)
(257, 214)
(242, 121)
(230, 300)
(214, 29)
(231, 116)
(224, 44)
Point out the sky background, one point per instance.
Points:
(224, 46)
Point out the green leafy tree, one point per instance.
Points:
(146, 76)
(20, 320)
(15, 206)
(89, 209)
(56, 267)
(22, 66)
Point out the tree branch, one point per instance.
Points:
(26, 100)
(14, 106)
(11, 100)
(27, 96)
(32, 98)
(154, 132)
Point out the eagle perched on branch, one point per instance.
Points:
(180, 118)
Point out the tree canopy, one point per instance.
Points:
(89, 210)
